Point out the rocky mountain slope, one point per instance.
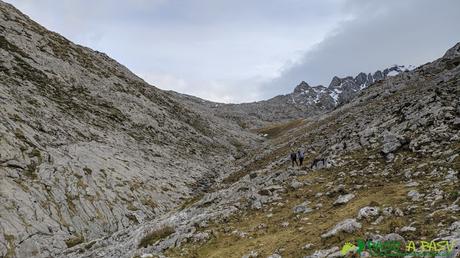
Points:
(94, 162)
(87, 148)
(303, 102)
(383, 167)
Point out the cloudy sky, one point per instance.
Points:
(247, 50)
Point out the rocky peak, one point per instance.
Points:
(340, 90)
(305, 100)
(335, 82)
(362, 78)
(303, 86)
(453, 52)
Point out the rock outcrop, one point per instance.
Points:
(87, 148)
(94, 162)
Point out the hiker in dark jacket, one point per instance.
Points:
(294, 158)
(301, 156)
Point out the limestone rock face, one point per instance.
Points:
(87, 148)
(94, 162)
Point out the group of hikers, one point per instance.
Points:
(299, 155)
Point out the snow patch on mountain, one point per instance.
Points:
(341, 90)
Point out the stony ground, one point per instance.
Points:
(94, 162)
(384, 166)
(87, 148)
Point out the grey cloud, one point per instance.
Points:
(380, 34)
(227, 47)
(233, 50)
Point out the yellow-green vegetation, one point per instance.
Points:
(130, 206)
(31, 170)
(274, 131)
(73, 241)
(36, 153)
(154, 236)
(381, 191)
(19, 134)
(10, 247)
(302, 229)
(89, 245)
(190, 201)
(70, 204)
(147, 201)
(81, 183)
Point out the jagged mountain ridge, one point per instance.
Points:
(340, 90)
(305, 100)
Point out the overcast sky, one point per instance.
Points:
(247, 50)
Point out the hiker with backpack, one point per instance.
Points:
(301, 156)
(294, 158)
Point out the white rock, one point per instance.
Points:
(414, 195)
(307, 246)
(368, 212)
(147, 256)
(342, 199)
(407, 229)
(302, 208)
(323, 253)
(347, 226)
(252, 254)
(296, 184)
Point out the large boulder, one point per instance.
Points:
(368, 212)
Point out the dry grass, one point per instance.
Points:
(73, 241)
(277, 130)
(154, 236)
(383, 191)
(300, 231)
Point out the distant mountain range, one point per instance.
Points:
(340, 90)
(304, 101)
(95, 162)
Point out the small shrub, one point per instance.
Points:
(71, 242)
(35, 153)
(149, 202)
(131, 207)
(19, 134)
(454, 195)
(87, 170)
(156, 235)
(30, 170)
(89, 245)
